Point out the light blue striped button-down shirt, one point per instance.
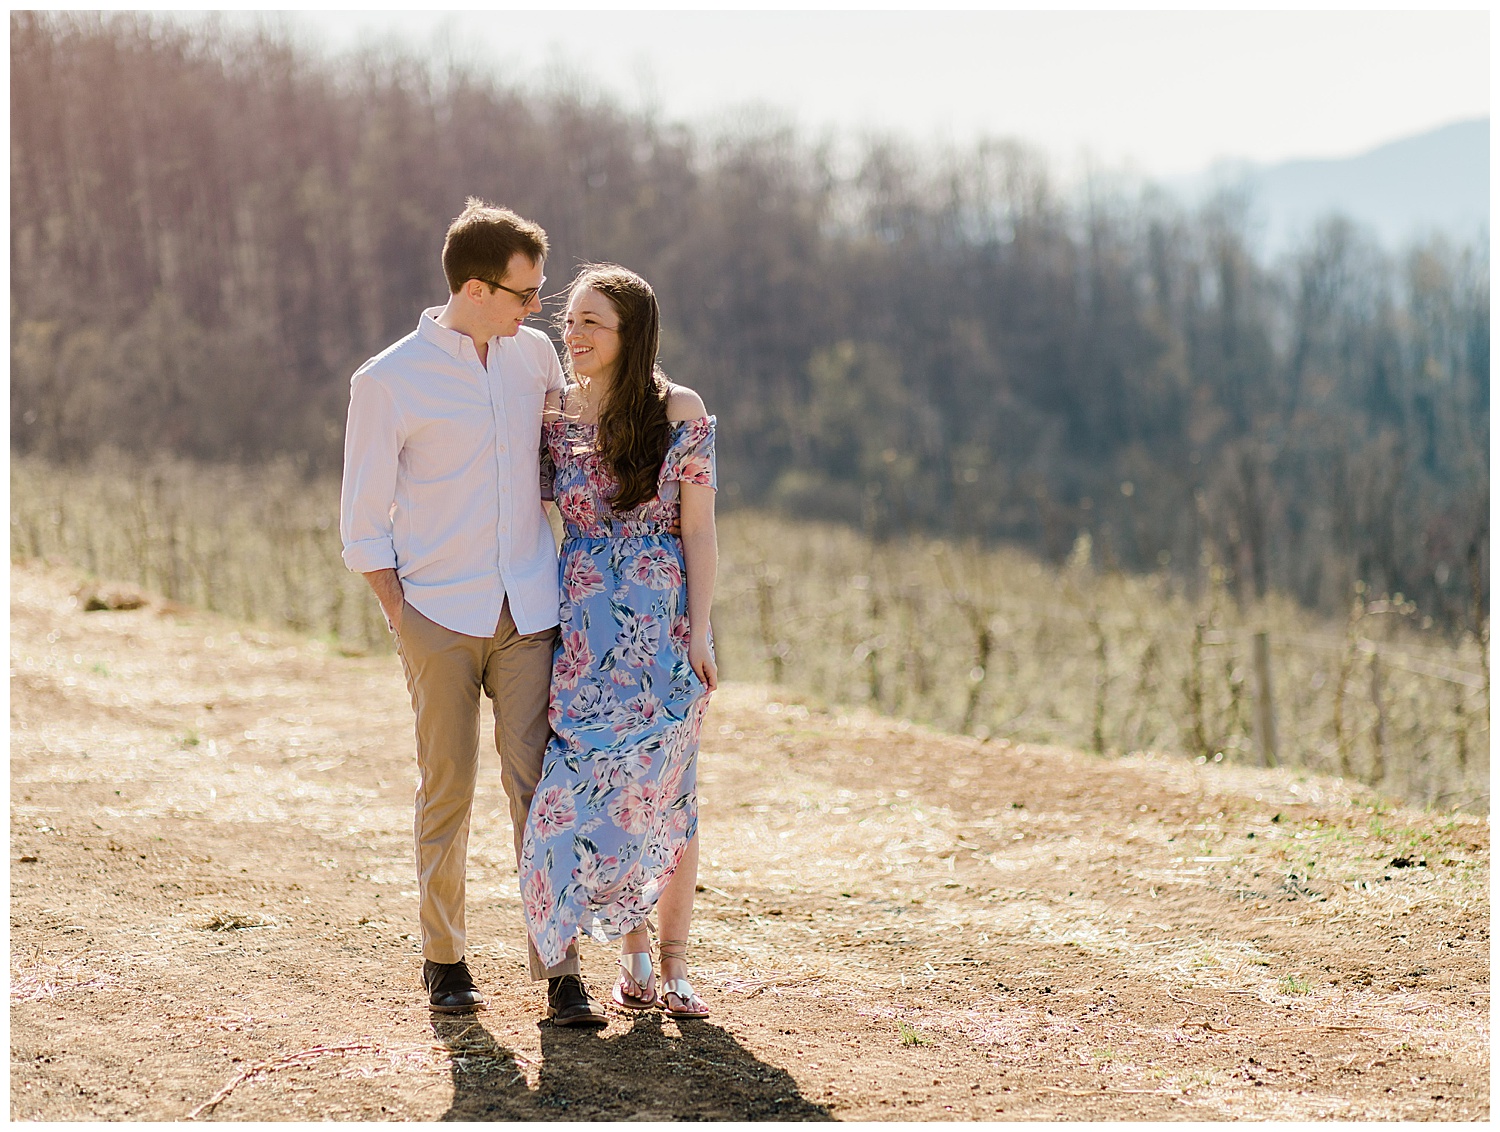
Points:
(441, 473)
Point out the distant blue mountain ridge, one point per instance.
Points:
(1434, 183)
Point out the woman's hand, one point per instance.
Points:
(701, 657)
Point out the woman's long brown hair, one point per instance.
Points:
(634, 433)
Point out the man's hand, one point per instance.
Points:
(387, 587)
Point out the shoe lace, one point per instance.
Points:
(446, 977)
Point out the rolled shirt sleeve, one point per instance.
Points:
(553, 370)
(372, 447)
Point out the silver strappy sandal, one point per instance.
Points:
(636, 965)
(680, 989)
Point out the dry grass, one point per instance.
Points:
(971, 640)
(34, 979)
(259, 545)
(994, 642)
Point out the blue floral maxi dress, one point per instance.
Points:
(617, 802)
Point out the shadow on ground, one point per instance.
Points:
(653, 1070)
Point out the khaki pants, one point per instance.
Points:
(445, 672)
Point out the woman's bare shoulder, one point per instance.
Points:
(683, 404)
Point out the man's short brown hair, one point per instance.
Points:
(482, 241)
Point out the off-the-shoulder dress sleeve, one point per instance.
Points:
(548, 469)
(691, 457)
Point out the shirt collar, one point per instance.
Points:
(439, 335)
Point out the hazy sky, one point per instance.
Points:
(1159, 93)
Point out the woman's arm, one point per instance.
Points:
(700, 553)
(700, 545)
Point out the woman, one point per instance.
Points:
(613, 827)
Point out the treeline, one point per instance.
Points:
(211, 230)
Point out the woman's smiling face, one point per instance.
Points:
(591, 333)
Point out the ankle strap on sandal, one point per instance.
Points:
(678, 949)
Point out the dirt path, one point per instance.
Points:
(211, 886)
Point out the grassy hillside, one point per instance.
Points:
(990, 642)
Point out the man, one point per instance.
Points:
(442, 513)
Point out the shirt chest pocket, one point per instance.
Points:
(525, 413)
(524, 427)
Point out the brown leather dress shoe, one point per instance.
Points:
(570, 1004)
(450, 987)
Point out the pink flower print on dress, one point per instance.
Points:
(634, 808)
(594, 870)
(581, 577)
(537, 896)
(697, 469)
(614, 768)
(638, 639)
(552, 812)
(631, 905)
(593, 706)
(657, 845)
(671, 782)
(656, 568)
(550, 946)
(637, 714)
(683, 816)
(682, 632)
(577, 506)
(696, 462)
(573, 661)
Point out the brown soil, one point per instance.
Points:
(211, 886)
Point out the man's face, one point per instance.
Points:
(504, 309)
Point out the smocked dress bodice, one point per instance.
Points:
(583, 486)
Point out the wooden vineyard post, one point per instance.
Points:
(1377, 697)
(1343, 730)
(775, 650)
(1265, 706)
(984, 642)
(1195, 691)
(1461, 728)
(1101, 682)
(874, 644)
